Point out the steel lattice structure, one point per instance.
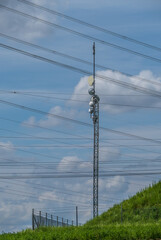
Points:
(95, 158)
(94, 113)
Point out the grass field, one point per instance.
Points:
(140, 215)
(143, 207)
(110, 232)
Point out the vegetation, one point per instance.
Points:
(140, 216)
(144, 207)
(110, 232)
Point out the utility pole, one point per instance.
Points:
(94, 114)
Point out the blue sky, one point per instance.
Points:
(55, 90)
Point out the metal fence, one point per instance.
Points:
(40, 219)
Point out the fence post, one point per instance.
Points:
(67, 222)
(51, 220)
(57, 221)
(121, 214)
(76, 216)
(72, 223)
(46, 219)
(40, 217)
(62, 222)
(33, 227)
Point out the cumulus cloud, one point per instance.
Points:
(6, 149)
(106, 186)
(105, 89)
(106, 154)
(51, 121)
(23, 27)
(117, 183)
(70, 163)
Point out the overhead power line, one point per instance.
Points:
(50, 129)
(26, 194)
(80, 137)
(76, 121)
(83, 101)
(111, 80)
(65, 176)
(39, 187)
(101, 29)
(35, 93)
(74, 58)
(83, 35)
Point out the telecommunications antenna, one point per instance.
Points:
(91, 81)
(94, 114)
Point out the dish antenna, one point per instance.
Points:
(91, 81)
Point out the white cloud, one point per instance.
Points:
(51, 121)
(105, 89)
(116, 184)
(30, 121)
(106, 154)
(6, 150)
(24, 27)
(71, 163)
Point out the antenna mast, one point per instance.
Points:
(94, 114)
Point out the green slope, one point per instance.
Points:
(141, 217)
(144, 207)
(111, 232)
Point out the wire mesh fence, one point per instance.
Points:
(40, 219)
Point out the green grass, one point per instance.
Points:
(141, 217)
(110, 232)
(144, 207)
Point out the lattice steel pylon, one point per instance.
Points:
(94, 114)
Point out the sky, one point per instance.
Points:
(37, 98)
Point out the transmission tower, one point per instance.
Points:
(94, 114)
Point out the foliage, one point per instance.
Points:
(144, 207)
(141, 217)
(110, 232)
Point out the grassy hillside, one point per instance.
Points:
(110, 232)
(141, 218)
(144, 207)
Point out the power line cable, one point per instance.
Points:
(38, 188)
(71, 173)
(101, 103)
(77, 194)
(104, 30)
(45, 128)
(78, 176)
(50, 129)
(111, 80)
(81, 34)
(34, 93)
(73, 58)
(26, 194)
(76, 121)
